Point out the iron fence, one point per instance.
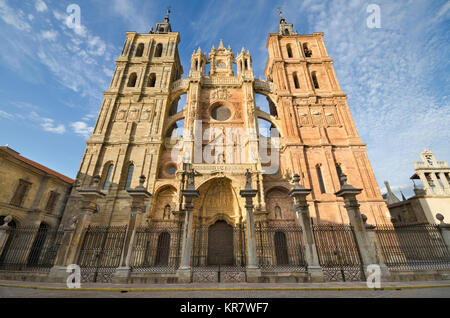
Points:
(100, 252)
(280, 247)
(156, 249)
(338, 252)
(30, 249)
(413, 247)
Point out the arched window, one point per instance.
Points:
(196, 65)
(240, 66)
(320, 177)
(140, 50)
(151, 80)
(132, 80)
(289, 50)
(107, 177)
(246, 65)
(163, 249)
(158, 51)
(281, 249)
(129, 176)
(308, 52)
(296, 84)
(286, 31)
(314, 78)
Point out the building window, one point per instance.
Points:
(132, 80)
(51, 203)
(151, 80)
(296, 83)
(171, 170)
(221, 113)
(308, 52)
(320, 177)
(246, 65)
(108, 176)
(21, 191)
(140, 50)
(289, 50)
(314, 78)
(129, 176)
(158, 51)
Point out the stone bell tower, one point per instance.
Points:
(128, 140)
(320, 140)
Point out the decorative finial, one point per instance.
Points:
(282, 20)
(296, 179)
(166, 18)
(440, 217)
(141, 181)
(343, 179)
(248, 179)
(364, 218)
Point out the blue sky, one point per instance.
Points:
(396, 77)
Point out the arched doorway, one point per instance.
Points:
(281, 248)
(220, 244)
(162, 250)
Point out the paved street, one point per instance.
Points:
(354, 290)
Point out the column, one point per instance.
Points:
(437, 186)
(368, 254)
(72, 239)
(299, 194)
(253, 270)
(424, 180)
(138, 196)
(184, 271)
(444, 182)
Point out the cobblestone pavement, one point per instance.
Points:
(439, 289)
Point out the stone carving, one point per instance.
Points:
(121, 114)
(221, 93)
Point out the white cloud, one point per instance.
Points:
(49, 125)
(6, 115)
(82, 129)
(40, 6)
(13, 17)
(50, 35)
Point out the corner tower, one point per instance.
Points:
(320, 140)
(128, 139)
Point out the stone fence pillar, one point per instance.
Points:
(445, 230)
(299, 194)
(4, 233)
(366, 248)
(72, 239)
(184, 271)
(138, 195)
(253, 270)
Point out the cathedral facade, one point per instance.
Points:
(138, 132)
(143, 138)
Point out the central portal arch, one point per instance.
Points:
(220, 244)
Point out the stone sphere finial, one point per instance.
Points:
(364, 218)
(440, 217)
(296, 178)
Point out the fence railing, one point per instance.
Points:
(413, 247)
(156, 249)
(30, 249)
(338, 252)
(280, 247)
